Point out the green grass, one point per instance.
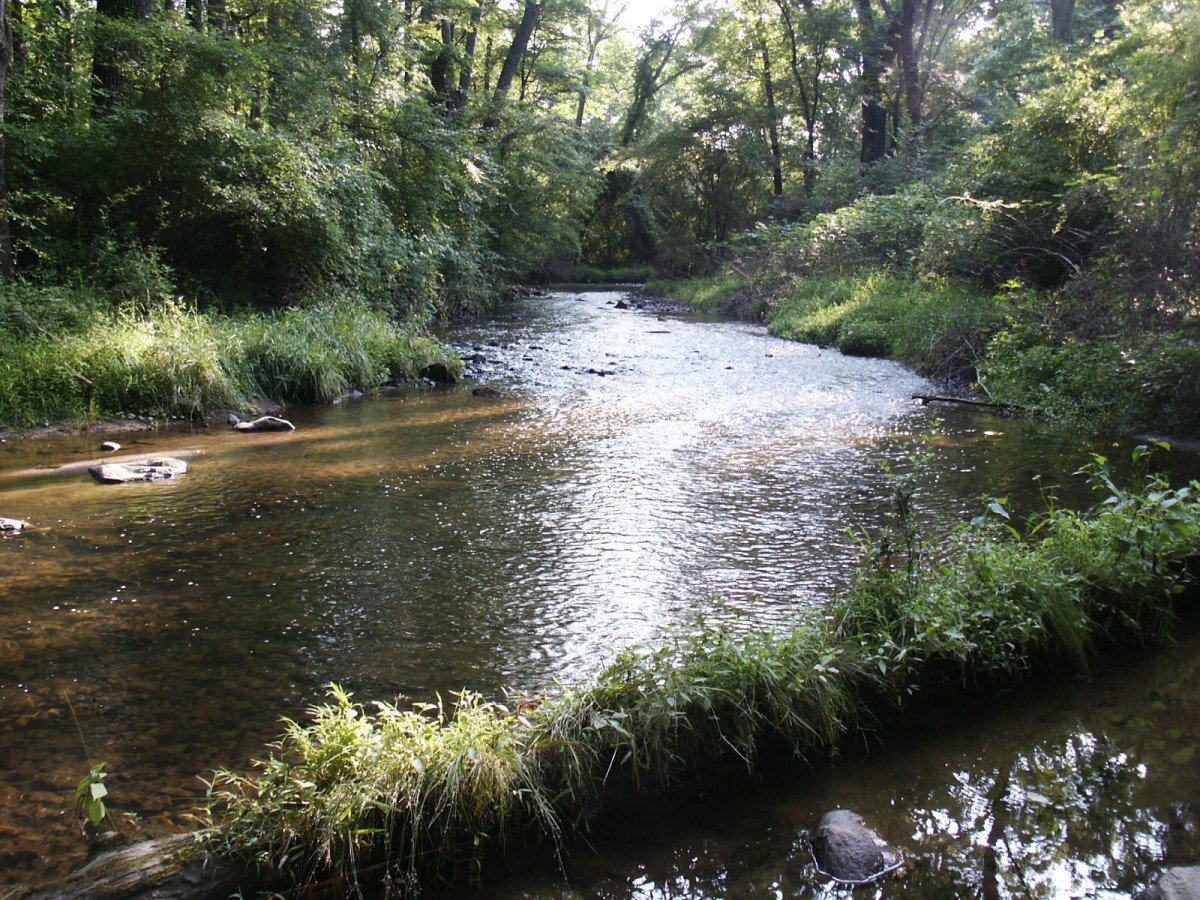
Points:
(66, 358)
(370, 791)
(938, 327)
(718, 293)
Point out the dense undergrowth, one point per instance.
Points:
(74, 358)
(404, 797)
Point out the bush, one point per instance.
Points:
(1121, 383)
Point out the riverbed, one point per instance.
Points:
(620, 473)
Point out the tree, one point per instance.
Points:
(114, 47)
(512, 61)
(813, 32)
(6, 54)
(601, 25)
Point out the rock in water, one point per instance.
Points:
(152, 469)
(265, 423)
(110, 446)
(12, 526)
(439, 372)
(848, 850)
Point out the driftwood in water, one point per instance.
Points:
(170, 868)
(935, 398)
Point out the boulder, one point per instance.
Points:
(12, 526)
(265, 423)
(1181, 883)
(848, 850)
(158, 468)
(439, 372)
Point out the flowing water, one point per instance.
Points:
(635, 471)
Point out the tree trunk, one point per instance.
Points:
(463, 97)
(439, 69)
(907, 60)
(6, 55)
(772, 117)
(512, 62)
(1062, 14)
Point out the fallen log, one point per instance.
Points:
(168, 868)
(966, 401)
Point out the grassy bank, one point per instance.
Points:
(69, 357)
(370, 792)
(1089, 368)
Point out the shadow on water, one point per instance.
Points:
(634, 472)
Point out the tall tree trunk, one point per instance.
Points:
(772, 115)
(908, 60)
(6, 55)
(194, 13)
(467, 74)
(439, 68)
(810, 99)
(1062, 15)
(512, 62)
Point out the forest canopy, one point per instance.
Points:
(422, 157)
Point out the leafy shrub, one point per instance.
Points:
(1118, 383)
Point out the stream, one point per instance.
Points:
(628, 471)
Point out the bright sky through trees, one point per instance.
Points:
(639, 13)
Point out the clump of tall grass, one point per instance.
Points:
(314, 354)
(410, 795)
(61, 360)
(166, 361)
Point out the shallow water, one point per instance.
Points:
(636, 471)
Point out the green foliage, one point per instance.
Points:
(1123, 382)
(315, 354)
(90, 794)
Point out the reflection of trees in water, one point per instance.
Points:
(1060, 821)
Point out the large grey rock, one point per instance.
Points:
(1182, 883)
(159, 468)
(265, 423)
(847, 849)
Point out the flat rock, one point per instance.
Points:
(265, 423)
(158, 468)
(848, 850)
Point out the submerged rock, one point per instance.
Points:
(486, 392)
(152, 469)
(265, 423)
(12, 526)
(1182, 883)
(848, 850)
